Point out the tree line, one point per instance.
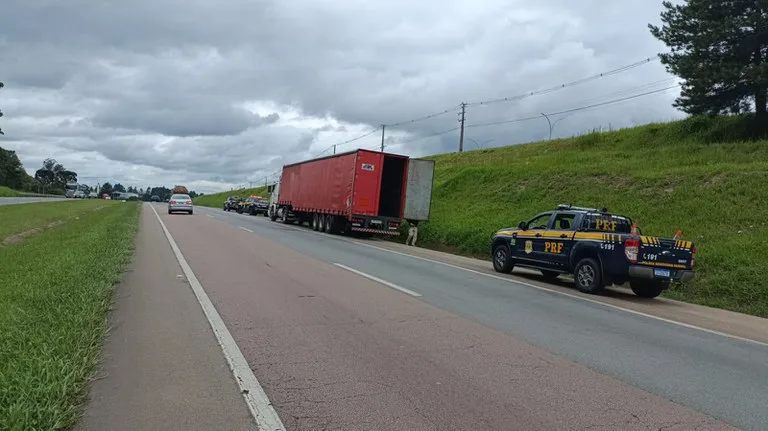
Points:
(53, 177)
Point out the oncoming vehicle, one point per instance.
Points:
(598, 248)
(180, 203)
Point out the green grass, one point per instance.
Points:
(685, 175)
(55, 291)
(705, 176)
(216, 200)
(6, 192)
(18, 218)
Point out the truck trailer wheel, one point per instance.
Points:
(647, 288)
(502, 260)
(588, 276)
(333, 224)
(284, 216)
(315, 222)
(321, 223)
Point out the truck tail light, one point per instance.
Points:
(393, 225)
(693, 255)
(632, 249)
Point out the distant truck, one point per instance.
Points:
(179, 190)
(362, 191)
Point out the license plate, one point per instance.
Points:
(661, 272)
(375, 221)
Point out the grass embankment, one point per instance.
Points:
(55, 291)
(6, 192)
(216, 200)
(706, 176)
(699, 175)
(21, 219)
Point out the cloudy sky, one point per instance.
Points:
(217, 94)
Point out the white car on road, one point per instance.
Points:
(180, 203)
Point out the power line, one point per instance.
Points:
(568, 84)
(426, 117)
(348, 141)
(624, 91)
(581, 108)
(420, 138)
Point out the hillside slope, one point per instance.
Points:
(704, 176)
(689, 175)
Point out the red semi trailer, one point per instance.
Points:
(362, 190)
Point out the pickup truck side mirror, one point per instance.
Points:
(523, 225)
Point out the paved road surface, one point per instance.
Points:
(335, 349)
(162, 367)
(10, 201)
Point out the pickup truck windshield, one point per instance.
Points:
(607, 223)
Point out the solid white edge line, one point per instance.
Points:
(245, 229)
(258, 403)
(378, 280)
(209, 215)
(616, 307)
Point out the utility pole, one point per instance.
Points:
(461, 120)
(550, 125)
(334, 148)
(382, 137)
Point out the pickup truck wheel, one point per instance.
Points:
(550, 275)
(647, 289)
(502, 260)
(588, 276)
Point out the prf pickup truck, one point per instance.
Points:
(598, 248)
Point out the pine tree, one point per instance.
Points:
(720, 49)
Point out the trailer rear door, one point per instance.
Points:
(418, 192)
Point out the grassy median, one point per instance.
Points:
(19, 219)
(55, 291)
(6, 192)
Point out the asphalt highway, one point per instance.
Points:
(345, 334)
(10, 201)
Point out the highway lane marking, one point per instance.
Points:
(209, 215)
(258, 403)
(570, 295)
(541, 288)
(378, 280)
(245, 229)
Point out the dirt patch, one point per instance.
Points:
(19, 237)
(714, 180)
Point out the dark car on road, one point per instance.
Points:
(232, 203)
(598, 248)
(257, 205)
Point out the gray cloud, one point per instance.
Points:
(221, 94)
